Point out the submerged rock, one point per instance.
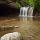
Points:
(16, 26)
(6, 27)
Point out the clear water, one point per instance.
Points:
(29, 27)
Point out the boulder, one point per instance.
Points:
(11, 36)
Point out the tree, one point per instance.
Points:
(36, 7)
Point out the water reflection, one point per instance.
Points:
(28, 26)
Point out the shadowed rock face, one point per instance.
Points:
(11, 3)
(6, 10)
(36, 13)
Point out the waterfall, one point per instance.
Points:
(23, 11)
(26, 12)
(30, 12)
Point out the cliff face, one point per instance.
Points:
(7, 9)
(9, 3)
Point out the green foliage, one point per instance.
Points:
(37, 5)
(18, 5)
(31, 2)
(22, 2)
(34, 3)
(25, 2)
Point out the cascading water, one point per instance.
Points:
(23, 11)
(30, 12)
(26, 12)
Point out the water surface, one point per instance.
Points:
(29, 27)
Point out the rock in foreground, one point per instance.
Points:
(12, 36)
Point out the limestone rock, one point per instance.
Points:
(12, 36)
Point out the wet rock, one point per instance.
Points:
(16, 26)
(12, 36)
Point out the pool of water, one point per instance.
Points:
(29, 27)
